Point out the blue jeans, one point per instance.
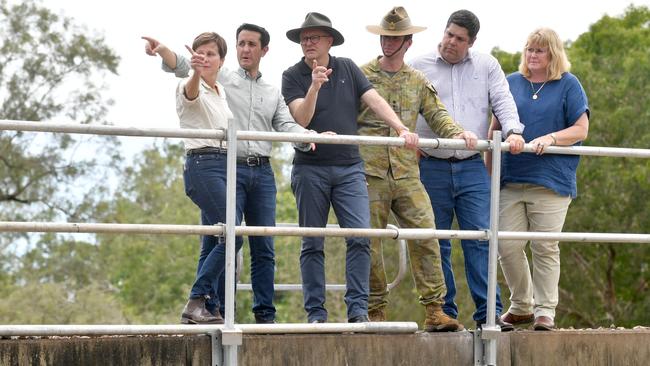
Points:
(316, 187)
(462, 188)
(205, 184)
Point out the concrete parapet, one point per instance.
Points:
(563, 347)
(359, 349)
(112, 350)
(581, 347)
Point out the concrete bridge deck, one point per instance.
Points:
(561, 347)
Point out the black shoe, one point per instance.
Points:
(505, 327)
(264, 321)
(359, 319)
(317, 321)
(261, 320)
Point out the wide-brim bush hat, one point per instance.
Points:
(316, 20)
(396, 23)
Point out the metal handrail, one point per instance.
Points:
(397, 233)
(230, 343)
(403, 259)
(401, 269)
(455, 144)
(172, 329)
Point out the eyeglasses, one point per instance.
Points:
(312, 39)
(538, 51)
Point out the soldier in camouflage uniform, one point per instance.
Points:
(393, 175)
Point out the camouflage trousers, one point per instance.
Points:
(409, 202)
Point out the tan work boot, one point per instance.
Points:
(377, 315)
(437, 321)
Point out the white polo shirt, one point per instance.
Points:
(208, 111)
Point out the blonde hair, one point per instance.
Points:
(558, 61)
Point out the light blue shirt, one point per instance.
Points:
(468, 90)
(255, 104)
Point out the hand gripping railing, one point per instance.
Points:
(231, 335)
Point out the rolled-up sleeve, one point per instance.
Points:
(182, 69)
(503, 104)
(284, 122)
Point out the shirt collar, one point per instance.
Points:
(438, 58)
(374, 65)
(208, 87)
(245, 75)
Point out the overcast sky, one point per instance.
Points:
(144, 95)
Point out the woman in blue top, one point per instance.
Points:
(536, 189)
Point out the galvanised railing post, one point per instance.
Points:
(231, 337)
(491, 331)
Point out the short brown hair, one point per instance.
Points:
(207, 37)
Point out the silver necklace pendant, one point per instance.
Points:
(535, 92)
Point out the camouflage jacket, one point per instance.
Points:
(409, 93)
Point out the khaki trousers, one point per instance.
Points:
(410, 204)
(530, 207)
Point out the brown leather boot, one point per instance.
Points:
(196, 313)
(377, 315)
(437, 321)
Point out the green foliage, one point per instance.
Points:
(40, 55)
(152, 273)
(51, 303)
(509, 61)
(60, 281)
(74, 264)
(612, 62)
(49, 68)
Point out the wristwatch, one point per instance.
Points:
(516, 131)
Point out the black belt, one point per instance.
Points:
(253, 160)
(245, 160)
(453, 159)
(206, 150)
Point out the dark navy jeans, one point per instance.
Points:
(463, 189)
(317, 187)
(205, 184)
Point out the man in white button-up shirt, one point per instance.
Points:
(470, 84)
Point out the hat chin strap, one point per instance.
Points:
(394, 52)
